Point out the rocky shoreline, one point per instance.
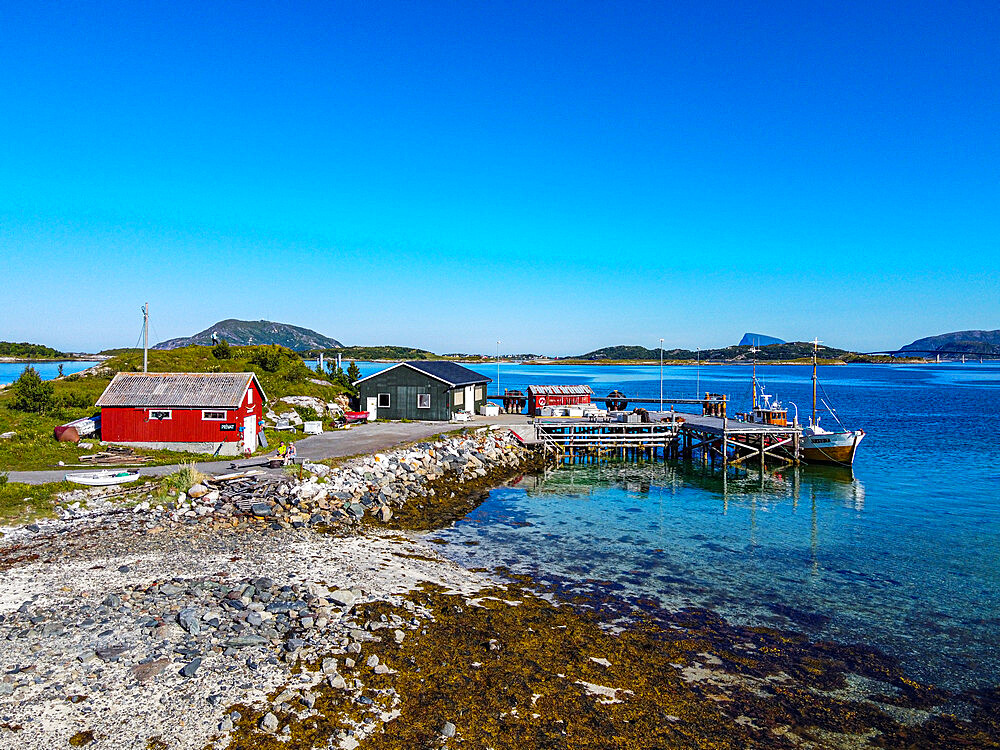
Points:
(285, 611)
(139, 620)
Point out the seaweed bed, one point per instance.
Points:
(512, 668)
(453, 498)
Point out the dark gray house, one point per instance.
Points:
(428, 390)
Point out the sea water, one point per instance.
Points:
(902, 555)
(11, 371)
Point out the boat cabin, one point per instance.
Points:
(183, 411)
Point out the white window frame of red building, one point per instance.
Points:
(168, 412)
(250, 396)
(206, 418)
(423, 401)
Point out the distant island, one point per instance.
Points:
(255, 333)
(12, 351)
(962, 342)
(799, 350)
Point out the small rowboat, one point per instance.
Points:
(104, 478)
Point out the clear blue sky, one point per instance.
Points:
(561, 176)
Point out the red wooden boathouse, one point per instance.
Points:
(556, 395)
(198, 412)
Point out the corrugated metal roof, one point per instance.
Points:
(180, 389)
(447, 372)
(560, 390)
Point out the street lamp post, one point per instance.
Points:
(697, 368)
(661, 375)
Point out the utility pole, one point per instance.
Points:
(145, 337)
(499, 393)
(661, 375)
(697, 368)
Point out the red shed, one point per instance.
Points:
(199, 412)
(556, 395)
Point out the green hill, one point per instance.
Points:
(367, 353)
(772, 352)
(970, 342)
(24, 350)
(255, 333)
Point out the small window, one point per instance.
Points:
(384, 401)
(213, 416)
(480, 393)
(249, 396)
(459, 398)
(160, 414)
(423, 401)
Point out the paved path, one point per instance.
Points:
(366, 438)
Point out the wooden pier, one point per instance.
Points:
(711, 436)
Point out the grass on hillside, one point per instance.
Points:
(23, 503)
(282, 373)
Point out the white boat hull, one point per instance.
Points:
(836, 448)
(102, 478)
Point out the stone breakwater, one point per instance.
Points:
(369, 487)
(140, 620)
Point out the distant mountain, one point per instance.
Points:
(970, 342)
(758, 339)
(256, 333)
(771, 352)
(402, 353)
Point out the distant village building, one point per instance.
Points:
(197, 412)
(541, 396)
(427, 390)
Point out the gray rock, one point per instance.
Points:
(448, 730)
(254, 619)
(190, 619)
(269, 723)
(342, 597)
(191, 667)
(243, 641)
(337, 682)
(372, 661)
(261, 509)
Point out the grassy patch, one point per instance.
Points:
(22, 503)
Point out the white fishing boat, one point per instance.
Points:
(822, 446)
(818, 445)
(105, 478)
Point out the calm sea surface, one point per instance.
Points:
(11, 371)
(904, 555)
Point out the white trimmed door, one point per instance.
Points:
(250, 432)
(372, 407)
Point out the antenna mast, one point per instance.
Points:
(815, 344)
(145, 337)
(753, 356)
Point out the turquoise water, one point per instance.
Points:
(903, 555)
(11, 371)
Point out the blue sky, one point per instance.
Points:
(561, 176)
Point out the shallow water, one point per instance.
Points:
(11, 371)
(903, 555)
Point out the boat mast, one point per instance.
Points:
(753, 356)
(815, 344)
(145, 337)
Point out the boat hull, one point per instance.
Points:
(837, 448)
(102, 478)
